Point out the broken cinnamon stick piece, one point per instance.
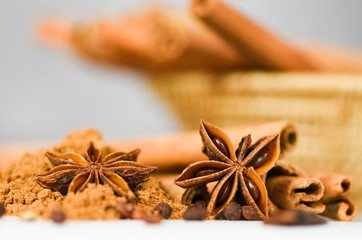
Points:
(250, 39)
(175, 152)
(340, 208)
(335, 185)
(297, 193)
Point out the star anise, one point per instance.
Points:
(72, 172)
(237, 174)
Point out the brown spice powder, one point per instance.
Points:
(20, 193)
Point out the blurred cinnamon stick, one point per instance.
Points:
(160, 39)
(172, 153)
(175, 152)
(262, 47)
(156, 39)
(331, 58)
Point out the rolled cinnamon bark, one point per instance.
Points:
(299, 193)
(331, 58)
(335, 185)
(168, 38)
(340, 208)
(247, 37)
(156, 39)
(336, 188)
(175, 152)
(290, 188)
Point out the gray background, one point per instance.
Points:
(45, 93)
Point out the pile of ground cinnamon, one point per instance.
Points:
(20, 193)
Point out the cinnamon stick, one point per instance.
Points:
(331, 58)
(175, 152)
(262, 47)
(169, 38)
(340, 208)
(336, 188)
(335, 185)
(290, 188)
(156, 39)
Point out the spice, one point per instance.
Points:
(237, 174)
(195, 194)
(138, 214)
(125, 209)
(19, 192)
(290, 188)
(195, 213)
(150, 193)
(260, 46)
(72, 172)
(340, 208)
(232, 211)
(249, 213)
(2, 210)
(200, 204)
(292, 217)
(58, 216)
(172, 153)
(164, 210)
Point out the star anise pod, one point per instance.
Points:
(237, 173)
(72, 172)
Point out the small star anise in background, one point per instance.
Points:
(72, 171)
(237, 173)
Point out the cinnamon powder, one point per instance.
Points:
(20, 193)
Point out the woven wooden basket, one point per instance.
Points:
(327, 110)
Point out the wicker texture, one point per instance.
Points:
(327, 110)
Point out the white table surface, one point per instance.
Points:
(14, 228)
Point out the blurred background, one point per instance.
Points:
(45, 93)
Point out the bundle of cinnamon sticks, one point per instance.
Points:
(212, 36)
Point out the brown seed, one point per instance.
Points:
(232, 211)
(253, 190)
(164, 210)
(249, 213)
(58, 216)
(138, 214)
(292, 217)
(153, 218)
(200, 204)
(195, 213)
(206, 171)
(260, 159)
(220, 144)
(125, 209)
(2, 210)
(224, 192)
